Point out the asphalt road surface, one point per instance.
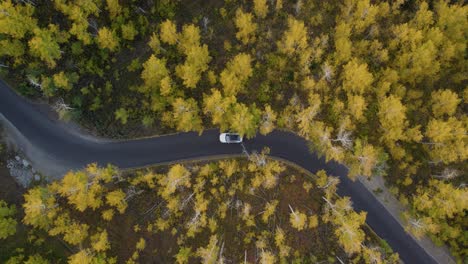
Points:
(76, 151)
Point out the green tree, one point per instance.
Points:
(122, 115)
(7, 220)
(129, 31)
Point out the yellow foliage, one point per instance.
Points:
(245, 27)
(106, 39)
(236, 73)
(295, 38)
(116, 198)
(261, 8)
(169, 32)
(100, 242)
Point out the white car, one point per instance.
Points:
(230, 138)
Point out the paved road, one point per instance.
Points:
(77, 151)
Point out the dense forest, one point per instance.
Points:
(380, 86)
(228, 211)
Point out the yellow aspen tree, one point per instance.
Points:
(348, 224)
(185, 115)
(444, 102)
(40, 207)
(155, 44)
(82, 257)
(372, 255)
(195, 64)
(209, 254)
(183, 255)
(44, 46)
(438, 210)
(218, 107)
(73, 232)
(100, 241)
(189, 38)
(267, 257)
(267, 123)
(178, 176)
(229, 167)
(294, 38)
(356, 105)
(129, 31)
(78, 12)
(13, 48)
(270, 208)
(278, 5)
(356, 77)
(297, 219)
(244, 120)
(106, 39)
(447, 140)
(116, 198)
(245, 27)
(114, 8)
(261, 8)
(107, 214)
(313, 221)
(305, 119)
(16, 20)
(360, 13)
(154, 70)
(392, 117)
(80, 190)
(343, 44)
(61, 81)
(169, 32)
(236, 73)
(366, 159)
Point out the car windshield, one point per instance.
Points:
(232, 137)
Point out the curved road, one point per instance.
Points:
(76, 151)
